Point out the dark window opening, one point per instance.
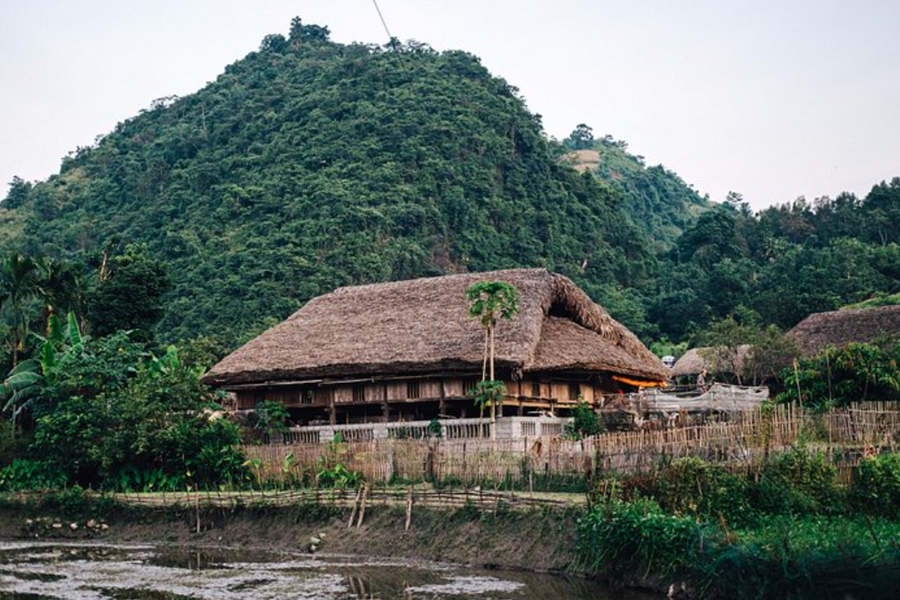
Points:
(412, 389)
(535, 389)
(359, 393)
(469, 387)
(574, 391)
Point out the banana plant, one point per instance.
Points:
(25, 381)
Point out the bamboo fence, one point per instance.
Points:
(845, 434)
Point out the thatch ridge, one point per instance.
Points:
(840, 327)
(422, 326)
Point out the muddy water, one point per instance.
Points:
(38, 571)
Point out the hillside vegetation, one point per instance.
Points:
(309, 165)
(659, 202)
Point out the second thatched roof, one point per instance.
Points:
(423, 326)
(840, 327)
(695, 360)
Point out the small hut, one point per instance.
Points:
(408, 350)
(720, 362)
(840, 327)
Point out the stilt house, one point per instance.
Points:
(408, 350)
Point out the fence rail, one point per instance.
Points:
(744, 438)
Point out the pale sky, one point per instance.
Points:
(774, 99)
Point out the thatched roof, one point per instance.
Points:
(695, 360)
(840, 327)
(422, 326)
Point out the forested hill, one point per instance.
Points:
(310, 164)
(658, 200)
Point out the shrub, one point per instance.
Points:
(876, 485)
(338, 476)
(269, 418)
(585, 422)
(693, 486)
(799, 481)
(638, 536)
(23, 474)
(840, 376)
(157, 429)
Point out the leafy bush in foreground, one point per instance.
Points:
(784, 557)
(876, 485)
(26, 474)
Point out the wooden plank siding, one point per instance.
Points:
(527, 392)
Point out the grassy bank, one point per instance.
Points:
(537, 540)
(791, 526)
(788, 528)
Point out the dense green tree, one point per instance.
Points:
(581, 138)
(18, 285)
(129, 294)
(17, 194)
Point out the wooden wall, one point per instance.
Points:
(551, 392)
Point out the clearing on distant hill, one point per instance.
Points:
(658, 200)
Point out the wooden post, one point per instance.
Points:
(362, 507)
(385, 407)
(409, 503)
(332, 411)
(442, 403)
(355, 504)
(198, 509)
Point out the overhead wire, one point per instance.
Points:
(383, 22)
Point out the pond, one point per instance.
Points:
(38, 571)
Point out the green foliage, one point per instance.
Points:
(841, 376)
(683, 535)
(639, 537)
(17, 194)
(338, 476)
(799, 481)
(877, 299)
(876, 485)
(585, 422)
(665, 347)
(27, 474)
(118, 418)
(269, 417)
(690, 486)
(489, 393)
(794, 482)
(435, 429)
(129, 296)
(492, 300)
(659, 202)
(310, 164)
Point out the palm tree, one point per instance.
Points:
(490, 301)
(18, 284)
(60, 284)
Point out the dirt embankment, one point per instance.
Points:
(530, 540)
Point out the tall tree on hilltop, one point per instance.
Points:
(581, 138)
(18, 192)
